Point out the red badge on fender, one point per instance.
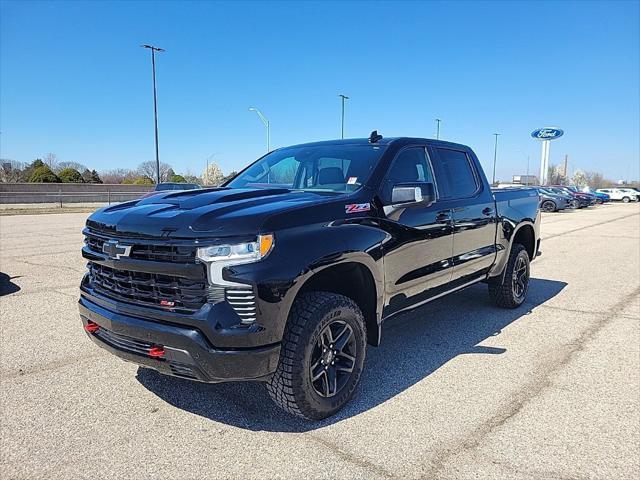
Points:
(357, 207)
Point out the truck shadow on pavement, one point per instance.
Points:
(7, 287)
(414, 345)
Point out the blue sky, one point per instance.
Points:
(74, 81)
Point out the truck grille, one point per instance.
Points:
(144, 249)
(150, 289)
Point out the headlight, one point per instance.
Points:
(237, 253)
(217, 257)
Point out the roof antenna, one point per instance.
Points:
(374, 137)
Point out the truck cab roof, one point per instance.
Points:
(384, 141)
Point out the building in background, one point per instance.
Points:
(526, 180)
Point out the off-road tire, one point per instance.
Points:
(291, 386)
(501, 288)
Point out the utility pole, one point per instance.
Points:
(438, 128)
(343, 97)
(564, 170)
(495, 158)
(155, 103)
(266, 123)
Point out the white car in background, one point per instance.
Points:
(625, 195)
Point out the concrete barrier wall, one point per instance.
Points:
(12, 193)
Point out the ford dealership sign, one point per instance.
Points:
(548, 133)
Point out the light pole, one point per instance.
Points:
(343, 97)
(495, 158)
(438, 128)
(155, 103)
(266, 124)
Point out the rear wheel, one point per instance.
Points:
(548, 206)
(322, 356)
(626, 199)
(510, 290)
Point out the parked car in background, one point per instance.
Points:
(581, 200)
(625, 195)
(578, 191)
(552, 202)
(168, 186)
(632, 192)
(600, 196)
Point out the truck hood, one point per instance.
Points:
(205, 213)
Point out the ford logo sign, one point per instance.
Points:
(548, 133)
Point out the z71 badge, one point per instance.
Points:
(357, 207)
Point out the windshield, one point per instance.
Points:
(324, 168)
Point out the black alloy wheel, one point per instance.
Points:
(520, 278)
(548, 206)
(333, 359)
(509, 290)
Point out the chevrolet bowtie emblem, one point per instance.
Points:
(115, 250)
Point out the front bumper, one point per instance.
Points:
(188, 353)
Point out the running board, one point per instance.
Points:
(435, 297)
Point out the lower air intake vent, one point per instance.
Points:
(243, 301)
(181, 370)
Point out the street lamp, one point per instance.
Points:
(155, 103)
(438, 128)
(495, 158)
(266, 124)
(343, 97)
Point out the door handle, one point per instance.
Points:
(487, 211)
(443, 217)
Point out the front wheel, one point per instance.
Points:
(510, 290)
(626, 199)
(322, 356)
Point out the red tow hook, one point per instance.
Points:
(156, 351)
(91, 327)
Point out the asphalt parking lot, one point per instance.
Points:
(458, 389)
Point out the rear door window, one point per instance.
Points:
(455, 174)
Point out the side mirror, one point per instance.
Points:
(413, 194)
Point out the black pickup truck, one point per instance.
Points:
(286, 273)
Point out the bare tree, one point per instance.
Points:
(595, 180)
(148, 169)
(51, 159)
(75, 165)
(11, 171)
(213, 176)
(579, 179)
(555, 175)
(117, 175)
